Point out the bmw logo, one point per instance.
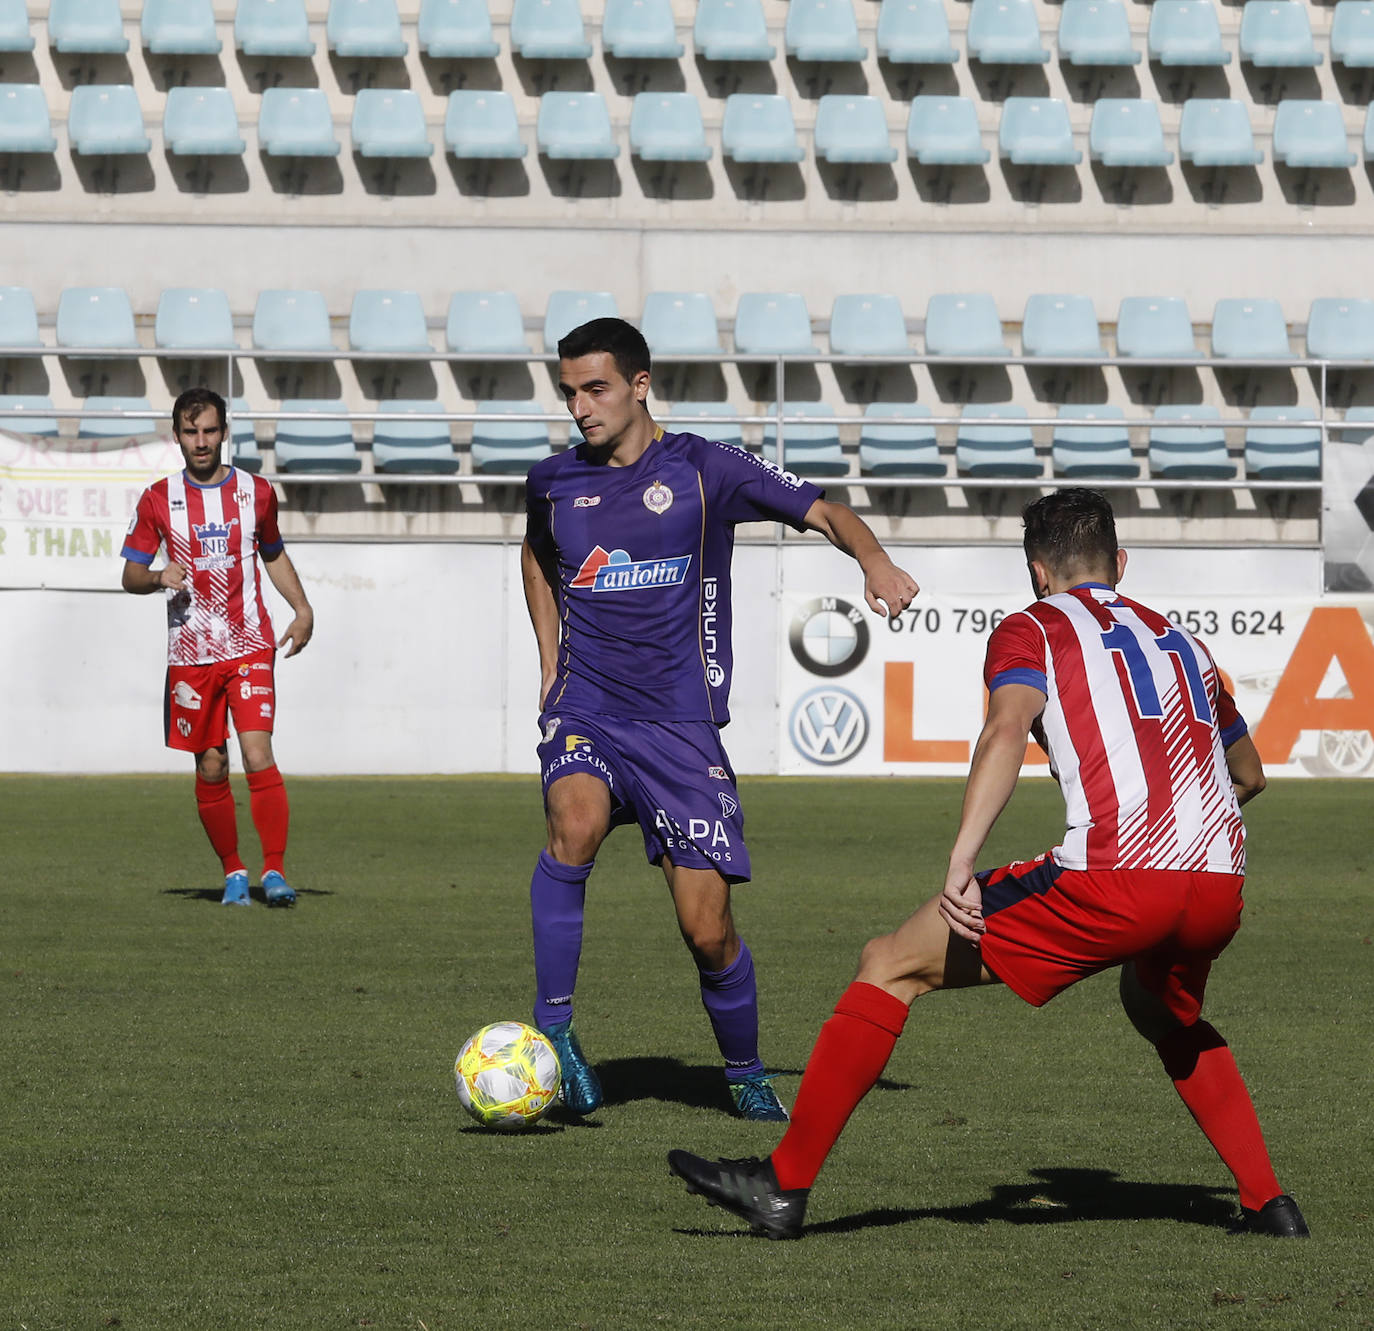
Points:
(828, 636)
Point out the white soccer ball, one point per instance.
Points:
(507, 1075)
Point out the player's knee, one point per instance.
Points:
(212, 766)
(574, 837)
(710, 943)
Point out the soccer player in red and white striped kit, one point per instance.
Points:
(1154, 762)
(218, 528)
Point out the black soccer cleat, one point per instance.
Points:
(1279, 1218)
(749, 1188)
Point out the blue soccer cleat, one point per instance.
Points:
(276, 890)
(236, 889)
(756, 1099)
(581, 1087)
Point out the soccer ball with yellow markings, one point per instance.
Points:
(507, 1075)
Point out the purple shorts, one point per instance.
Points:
(670, 777)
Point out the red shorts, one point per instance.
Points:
(199, 698)
(1048, 927)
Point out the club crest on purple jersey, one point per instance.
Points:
(658, 498)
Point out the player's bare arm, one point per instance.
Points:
(287, 581)
(140, 579)
(997, 758)
(887, 588)
(1247, 772)
(542, 605)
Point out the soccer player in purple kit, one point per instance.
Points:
(626, 567)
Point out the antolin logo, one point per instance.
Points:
(617, 572)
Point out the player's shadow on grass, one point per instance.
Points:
(1063, 1196)
(216, 893)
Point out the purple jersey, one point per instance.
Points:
(642, 556)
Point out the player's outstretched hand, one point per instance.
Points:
(961, 904)
(888, 589)
(298, 632)
(172, 575)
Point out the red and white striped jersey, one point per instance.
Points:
(215, 532)
(1136, 722)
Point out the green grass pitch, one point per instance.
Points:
(245, 1118)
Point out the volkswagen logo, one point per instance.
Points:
(828, 726)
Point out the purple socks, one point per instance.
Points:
(557, 894)
(731, 1000)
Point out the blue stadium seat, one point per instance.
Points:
(687, 418)
(823, 30)
(201, 122)
(1249, 329)
(1055, 325)
(773, 323)
(964, 324)
(1126, 131)
(95, 317)
(106, 119)
(273, 28)
(387, 320)
(1339, 329)
(915, 32)
(509, 448)
(995, 450)
(640, 30)
(1154, 326)
(1186, 32)
(732, 30)
(851, 128)
(116, 427)
(18, 318)
(807, 450)
(1096, 32)
(412, 446)
(322, 444)
(1215, 131)
(295, 122)
(28, 413)
(1283, 452)
(1035, 131)
(481, 321)
(548, 30)
(289, 320)
(1369, 132)
(482, 124)
(575, 125)
(863, 324)
(1357, 427)
(898, 450)
(390, 122)
(1277, 33)
(194, 318)
(370, 29)
(456, 30)
(1100, 449)
(87, 27)
(1005, 32)
(243, 439)
(667, 127)
(758, 127)
(1352, 34)
(567, 310)
(180, 27)
(679, 323)
(25, 125)
(14, 26)
(1195, 451)
(943, 131)
(1311, 134)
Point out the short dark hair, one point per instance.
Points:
(1070, 529)
(193, 401)
(622, 341)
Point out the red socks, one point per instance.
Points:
(850, 1054)
(271, 815)
(215, 802)
(1204, 1073)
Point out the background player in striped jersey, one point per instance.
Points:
(1154, 762)
(627, 578)
(214, 523)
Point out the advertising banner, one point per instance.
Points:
(65, 505)
(908, 699)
